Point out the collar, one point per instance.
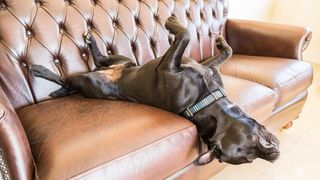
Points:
(205, 102)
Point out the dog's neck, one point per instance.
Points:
(211, 122)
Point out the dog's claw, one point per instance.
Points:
(221, 43)
(87, 37)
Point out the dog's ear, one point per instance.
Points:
(225, 53)
(268, 148)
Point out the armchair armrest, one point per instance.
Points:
(267, 39)
(16, 160)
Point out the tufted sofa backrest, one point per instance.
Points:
(49, 33)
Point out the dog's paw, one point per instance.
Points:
(88, 38)
(221, 43)
(171, 23)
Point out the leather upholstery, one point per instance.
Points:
(159, 144)
(287, 77)
(267, 39)
(89, 138)
(14, 145)
(49, 33)
(250, 95)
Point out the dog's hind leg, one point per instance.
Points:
(40, 71)
(171, 60)
(225, 53)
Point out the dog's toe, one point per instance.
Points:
(87, 37)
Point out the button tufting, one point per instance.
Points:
(156, 17)
(84, 56)
(202, 14)
(29, 32)
(2, 7)
(61, 31)
(90, 24)
(67, 2)
(109, 52)
(23, 64)
(115, 23)
(137, 20)
(39, 2)
(133, 46)
(213, 13)
(56, 61)
(188, 14)
(94, 2)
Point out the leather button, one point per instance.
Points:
(202, 14)
(213, 13)
(137, 20)
(89, 24)
(29, 33)
(109, 52)
(156, 17)
(23, 64)
(114, 24)
(56, 61)
(93, 2)
(61, 31)
(84, 56)
(2, 7)
(67, 2)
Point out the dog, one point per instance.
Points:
(180, 85)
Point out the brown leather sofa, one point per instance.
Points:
(76, 137)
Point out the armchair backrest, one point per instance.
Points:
(50, 33)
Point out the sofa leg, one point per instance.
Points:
(289, 125)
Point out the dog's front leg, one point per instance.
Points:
(171, 60)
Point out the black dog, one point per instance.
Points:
(182, 86)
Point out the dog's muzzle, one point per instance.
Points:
(211, 98)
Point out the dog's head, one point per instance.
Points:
(231, 135)
(243, 139)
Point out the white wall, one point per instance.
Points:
(295, 12)
(250, 9)
(301, 13)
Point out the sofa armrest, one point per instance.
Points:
(16, 160)
(267, 39)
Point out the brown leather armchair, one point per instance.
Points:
(76, 137)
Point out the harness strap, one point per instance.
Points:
(214, 96)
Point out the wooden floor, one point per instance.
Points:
(300, 148)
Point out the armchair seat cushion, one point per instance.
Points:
(287, 77)
(93, 138)
(253, 98)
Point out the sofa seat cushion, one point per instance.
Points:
(107, 139)
(253, 98)
(287, 77)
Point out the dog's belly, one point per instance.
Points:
(111, 75)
